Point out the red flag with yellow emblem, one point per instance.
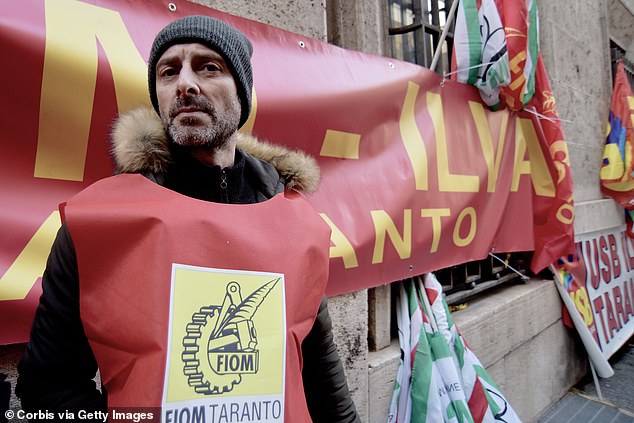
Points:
(617, 170)
(521, 29)
(554, 212)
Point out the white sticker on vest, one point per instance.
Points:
(226, 347)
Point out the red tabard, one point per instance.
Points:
(179, 297)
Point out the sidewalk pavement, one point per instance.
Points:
(582, 403)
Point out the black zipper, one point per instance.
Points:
(223, 180)
(224, 193)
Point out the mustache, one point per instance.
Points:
(197, 102)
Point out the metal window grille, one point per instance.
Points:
(618, 53)
(415, 29)
(465, 281)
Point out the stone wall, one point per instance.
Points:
(621, 30)
(574, 37)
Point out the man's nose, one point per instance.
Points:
(187, 82)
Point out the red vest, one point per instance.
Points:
(195, 306)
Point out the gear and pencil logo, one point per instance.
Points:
(221, 341)
(227, 337)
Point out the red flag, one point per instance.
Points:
(617, 170)
(553, 216)
(520, 21)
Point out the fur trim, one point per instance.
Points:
(298, 168)
(140, 145)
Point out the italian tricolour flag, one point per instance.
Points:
(439, 379)
(495, 49)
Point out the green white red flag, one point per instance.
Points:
(418, 382)
(447, 383)
(496, 45)
(480, 53)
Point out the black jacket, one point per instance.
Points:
(58, 367)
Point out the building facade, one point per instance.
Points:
(516, 331)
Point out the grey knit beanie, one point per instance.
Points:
(232, 44)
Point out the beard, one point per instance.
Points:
(190, 132)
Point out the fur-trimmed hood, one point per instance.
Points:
(140, 145)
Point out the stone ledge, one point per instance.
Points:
(500, 322)
(382, 369)
(596, 215)
(535, 375)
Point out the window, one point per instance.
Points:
(415, 31)
(618, 53)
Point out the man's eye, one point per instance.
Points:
(211, 67)
(165, 72)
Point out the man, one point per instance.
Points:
(133, 255)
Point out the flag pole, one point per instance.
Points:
(597, 385)
(423, 294)
(452, 12)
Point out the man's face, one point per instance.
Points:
(197, 96)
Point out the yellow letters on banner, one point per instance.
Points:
(247, 128)
(562, 165)
(526, 138)
(68, 82)
(383, 224)
(522, 167)
(16, 283)
(384, 227)
(435, 215)
(412, 139)
(566, 213)
(518, 70)
(492, 157)
(582, 302)
(463, 242)
(447, 182)
(340, 144)
(342, 247)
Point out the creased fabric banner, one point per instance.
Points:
(417, 174)
(597, 286)
(556, 213)
(617, 170)
(440, 379)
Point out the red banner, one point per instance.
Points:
(417, 174)
(553, 214)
